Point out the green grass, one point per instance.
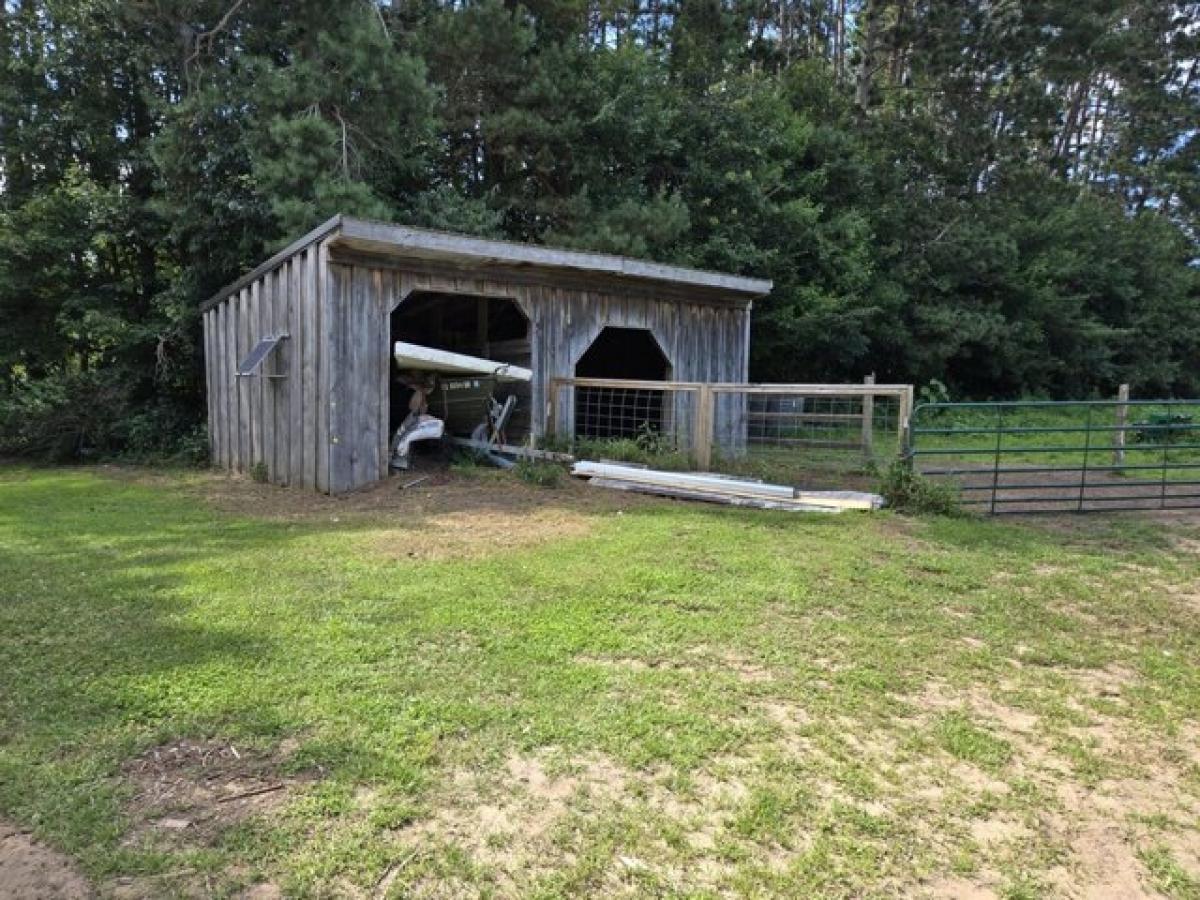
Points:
(653, 698)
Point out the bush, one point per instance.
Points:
(65, 416)
(68, 416)
(542, 474)
(632, 450)
(192, 448)
(907, 491)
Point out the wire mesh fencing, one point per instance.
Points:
(811, 435)
(827, 435)
(652, 422)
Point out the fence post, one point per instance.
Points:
(1122, 421)
(868, 419)
(703, 421)
(904, 426)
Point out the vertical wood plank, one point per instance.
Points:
(353, 432)
(266, 386)
(210, 398)
(336, 304)
(381, 355)
(226, 388)
(295, 270)
(325, 330)
(255, 381)
(311, 364)
(228, 383)
(218, 364)
(245, 454)
(279, 386)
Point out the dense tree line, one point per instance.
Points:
(1000, 195)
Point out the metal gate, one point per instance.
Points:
(1062, 456)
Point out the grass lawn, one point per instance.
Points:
(476, 687)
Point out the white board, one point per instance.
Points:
(427, 359)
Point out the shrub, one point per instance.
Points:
(465, 461)
(192, 448)
(632, 450)
(933, 391)
(542, 474)
(65, 416)
(907, 491)
(259, 473)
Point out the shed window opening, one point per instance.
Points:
(608, 412)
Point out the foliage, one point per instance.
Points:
(933, 391)
(906, 491)
(538, 472)
(66, 416)
(1000, 198)
(658, 454)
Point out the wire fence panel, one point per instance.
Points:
(810, 435)
(815, 435)
(1062, 456)
(637, 421)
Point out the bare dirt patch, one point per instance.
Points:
(505, 826)
(446, 514)
(188, 792)
(699, 659)
(958, 889)
(1098, 830)
(1107, 682)
(940, 697)
(441, 490)
(32, 871)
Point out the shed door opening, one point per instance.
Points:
(617, 412)
(489, 327)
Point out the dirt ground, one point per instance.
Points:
(433, 511)
(182, 794)
(430, 488)
(31, 871)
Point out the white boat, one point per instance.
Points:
(427, 359)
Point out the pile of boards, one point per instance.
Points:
(712, 488)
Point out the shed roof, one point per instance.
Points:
(388, 239)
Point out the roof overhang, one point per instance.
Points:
(398, 241)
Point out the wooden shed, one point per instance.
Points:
(299, 351)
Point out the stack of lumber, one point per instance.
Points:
(712, 488)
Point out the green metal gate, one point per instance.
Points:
(1062, 456)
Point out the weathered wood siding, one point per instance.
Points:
(702, 341)
(281, 422)
(324, 424)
